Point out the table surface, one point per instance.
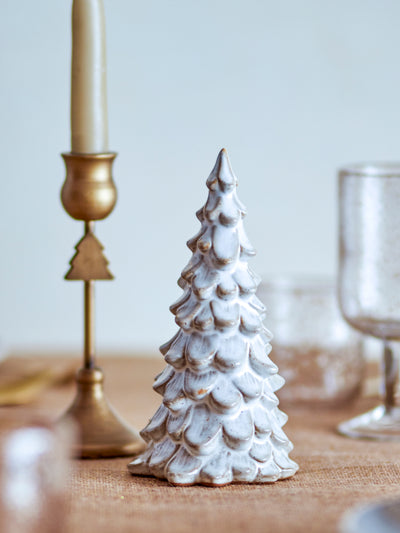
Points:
(335, 473)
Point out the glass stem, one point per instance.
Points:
(391, 376)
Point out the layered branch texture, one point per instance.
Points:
(219, 420)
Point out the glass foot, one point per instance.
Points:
(379, 424)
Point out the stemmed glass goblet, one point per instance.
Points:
(369, 278)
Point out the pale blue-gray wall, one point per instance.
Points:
(292, 89)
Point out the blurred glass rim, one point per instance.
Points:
(64, 434)
(384, 169)
(298, 283)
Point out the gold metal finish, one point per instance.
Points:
(89, 194)
(88, 302)
(102, 432)
(89, 262)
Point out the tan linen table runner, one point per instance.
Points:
(335, 473)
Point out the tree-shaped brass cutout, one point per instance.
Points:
(89, 262)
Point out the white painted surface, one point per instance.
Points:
(291, 89)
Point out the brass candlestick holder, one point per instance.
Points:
(89, 194)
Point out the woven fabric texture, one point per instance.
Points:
(335, 473)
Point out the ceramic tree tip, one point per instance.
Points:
(222, 175)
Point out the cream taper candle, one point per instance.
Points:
(89, 127)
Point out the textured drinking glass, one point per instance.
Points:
(369, 278)
(33, 478)
(316, 351)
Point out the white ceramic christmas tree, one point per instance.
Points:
(219, 421)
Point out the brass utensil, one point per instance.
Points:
(25, 389)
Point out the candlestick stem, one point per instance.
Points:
(89, 343)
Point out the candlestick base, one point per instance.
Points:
(102, 432)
